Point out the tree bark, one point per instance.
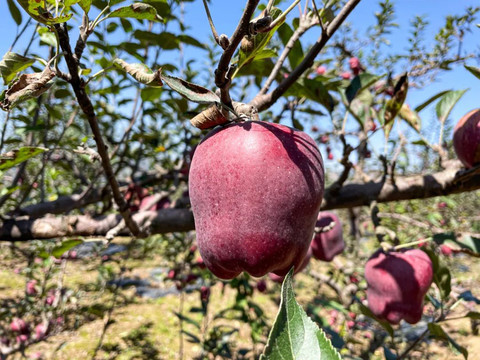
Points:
(450, 181)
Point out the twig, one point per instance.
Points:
(410, 221)
(221, 80)
(264, 101)
(304, 26)
(20, 33)
(413, 345)
(87, 108)
(283, 16)
(318, 14)
(210, 21)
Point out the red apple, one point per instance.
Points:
(397, 284)
(355, 65)
(328, 241)
(446, 250)
(205, 293)
(19, 325)
(346, 75)
(466, 138)
(321, 70)
(262, 285)
(255, 189)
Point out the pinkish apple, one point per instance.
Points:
(328, 241)
(255, 190)
(466, 138)
(397, 284)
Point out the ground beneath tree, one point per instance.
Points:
(140, 319)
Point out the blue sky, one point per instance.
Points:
(226, 13)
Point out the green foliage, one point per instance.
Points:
(294, 335)
(16, 157)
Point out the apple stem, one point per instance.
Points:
(402, 246)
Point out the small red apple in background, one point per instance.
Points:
(321, 70)
(397, 284)
(446, 250)
(324, 139)
(328, 241)
(255, 190)
(262, 285)
(466, 138)
(31, 287)
(303, 265)
(355, 65)
(205, 293)
(371, 126)
(19, 325)
(41, 331)
(346, 75)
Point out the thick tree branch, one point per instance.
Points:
(264, 101)
(451, 181)
(87, 108)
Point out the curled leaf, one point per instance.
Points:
(15, 157)
(11, 64)
(209, 118)
(26, 87)
(142, 73)
(395, 103)
(410, 116)
(139, 11)
(191, 91)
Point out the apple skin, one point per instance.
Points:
(255, 190)
(303, 265)
(397, 284)
(466, 138)
(326, 245)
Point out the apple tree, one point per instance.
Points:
(227, 155)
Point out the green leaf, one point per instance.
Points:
(389, 355)
(474, 70)
(438, 332)
(447, 102)
(12, 64)
(191, 91)
(16, 14)
(85, 5)
(367, 312)
(314, 90)
(138, 11)
(360, 83)
(410, 116)
(15, 157)
(186, 39)
(37, 11)
(259, 42)
(142, 73)
(441, 274)
(294, 335)
(47, 36)
(473, 315)
(295, 56)
(393, 106)
(430, 100)
(66, 245)
(462, 242)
